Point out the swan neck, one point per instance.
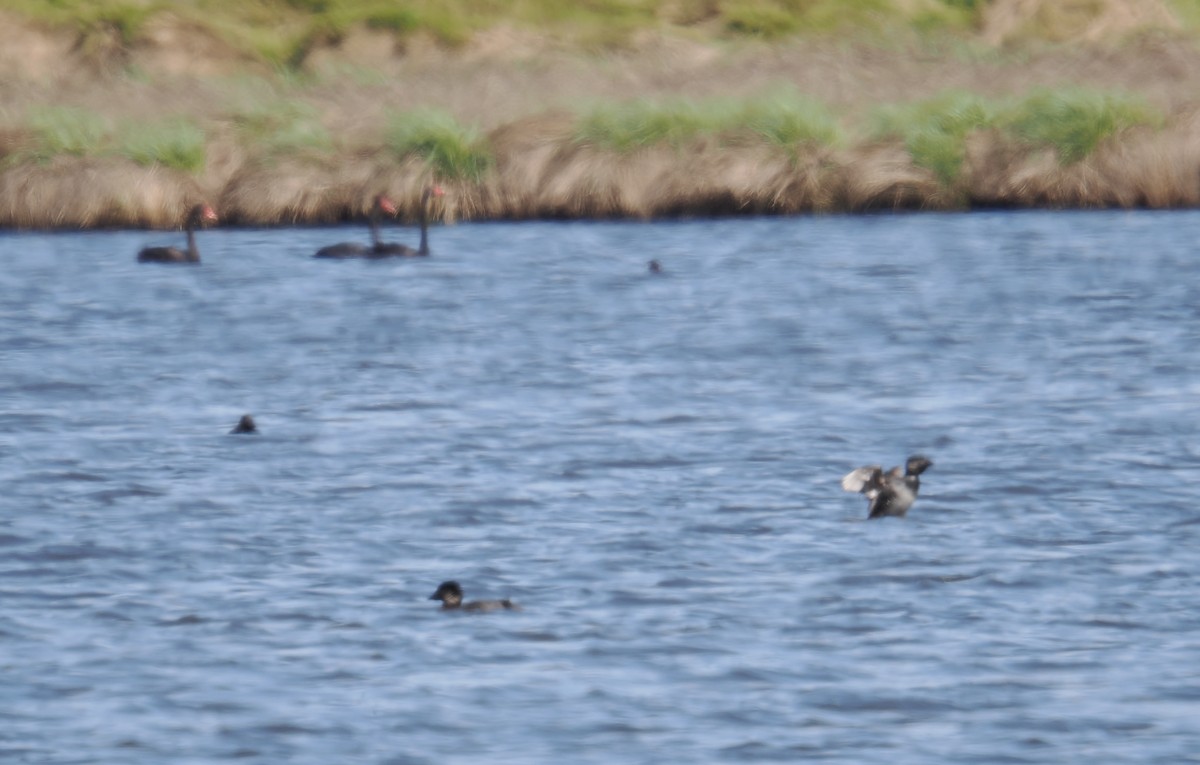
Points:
(373, 220)
(423, 248)
(193, 252)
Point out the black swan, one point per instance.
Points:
(198, 216)
(451, 596)
(890, 493)
(380, 249)
(386, 249)
(379, 206)
(245, 425)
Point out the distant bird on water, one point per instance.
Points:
(654, 267)
(245, 425)
(890, 493)
(451, 596)
(198, 216)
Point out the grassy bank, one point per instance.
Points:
(762, 106)
(781, 152)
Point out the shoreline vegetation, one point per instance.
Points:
(284, 112)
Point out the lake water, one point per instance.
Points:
(648, 464)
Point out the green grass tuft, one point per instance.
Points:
(400, 20)
(452, 151)
(278, 126)
(127, 19)
(176, 143)
(935, 131)
(1188, 13)
(790, 120)
(66, 130)
(629, 126)
(760, 20)
(868, 17)
(1074, 121)
(785, 120)
(948, 16)
(775, 19)
(447, 26)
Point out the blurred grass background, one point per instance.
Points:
(284, 31)
(1070, 121)
(333, 90)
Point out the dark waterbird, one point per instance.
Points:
(382, 205)
(451, 596)
(385, 249)
(890, 493)
(245, 425)
(198, 216)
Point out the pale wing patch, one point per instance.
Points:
(856, 479)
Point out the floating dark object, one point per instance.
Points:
(245, 425)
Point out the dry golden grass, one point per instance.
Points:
(1141, 168)
(296, 190)
(313, 190)
(557, 178)
(883, 177)
(1155, 169)
(80, 192)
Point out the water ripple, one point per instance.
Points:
(649, 467)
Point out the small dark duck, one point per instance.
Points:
(245, 425)
(451, 596)
(890, 493)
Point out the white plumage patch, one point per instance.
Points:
(856, 479)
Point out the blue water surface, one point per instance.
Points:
(648, 464)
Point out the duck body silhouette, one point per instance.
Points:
(451, 595)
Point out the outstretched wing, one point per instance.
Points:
(863, 479)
